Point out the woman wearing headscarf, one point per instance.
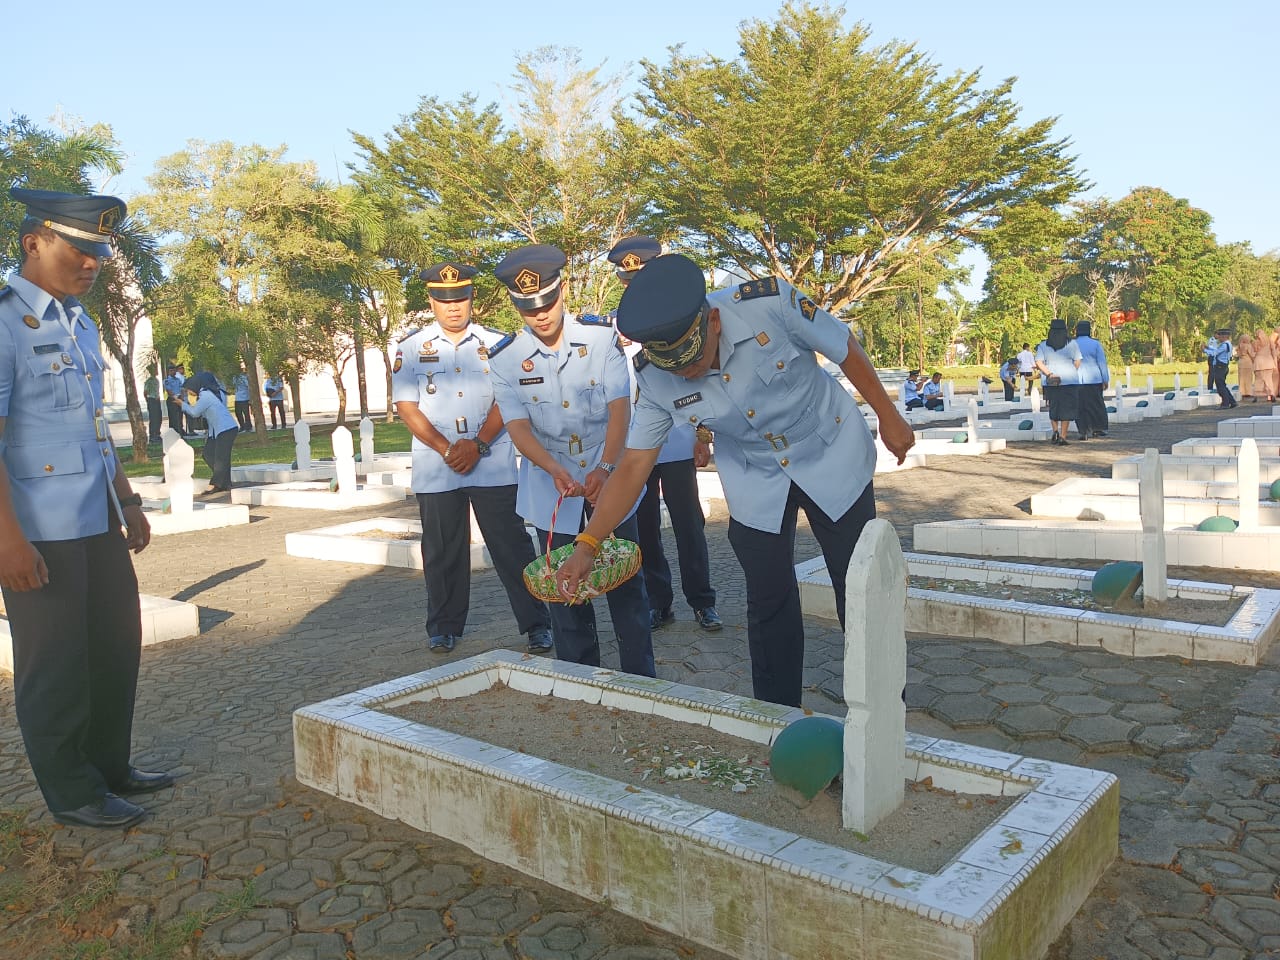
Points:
(1058, 360)
(1245, 352)
(207, 398)
(1095, 377)
(1264, 366)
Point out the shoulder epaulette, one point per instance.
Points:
(502, 344)
(595, 320)
(640, 361)
(764, 287)
(5, 291)
(412, 333)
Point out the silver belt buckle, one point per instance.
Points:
(460, 425)
(100, 428)
(575, 444)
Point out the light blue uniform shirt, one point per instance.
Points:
(56, 446)
(271, 383)
(240, 383)
(1061, 363)
(565, 396)
(1219, 351)
(931, 390)
(911, 391)
(680, 440)
(778, 417)
(173, 385)
(452, 387)
(1093, 361)
(213, 410)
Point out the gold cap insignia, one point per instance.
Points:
(527, 281)
(109, 220)
(449, 274)
(631, 261)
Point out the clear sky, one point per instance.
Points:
(1172, 94)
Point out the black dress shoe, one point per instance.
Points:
(660, 618)
(540, 641)
(1099, 433)
(142, 781)
(708, 619)
(109, 811)
(442, 644)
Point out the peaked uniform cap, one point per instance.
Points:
(449, 280)
(532, 275)
(87, 223)
(631, 253)
(664, 309)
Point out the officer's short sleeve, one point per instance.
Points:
(508, 400)
(617, 372)
(404, 382)
(810, 325)
(650, 424)
(8, 369)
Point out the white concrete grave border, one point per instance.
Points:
(752, 891)
(343, 542)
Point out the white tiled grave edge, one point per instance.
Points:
(1100, 540)
(316, 496)
(1203, 469)
(1223, 447)
(1250, 427)
(344, 542)
(162, 619)
(1243, 640)
(1185, 501)
(752, 891)
(203, 516)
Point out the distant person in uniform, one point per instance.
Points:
(68, 519)
(742, 362)
(1095, 377)
(240, 384)
(274, 389)
(1218, 351)
(207, 401)
(151, 393)
(911, 391)
(1009, 378)
(173, 399)
(565, 395)
(932, 392)
(1027, 365)
(463, 460)
(675, 479)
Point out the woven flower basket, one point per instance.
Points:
(616, 563)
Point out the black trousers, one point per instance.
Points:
(76, 646)
(242, 414)
(277, 405)
(1218, 381)
(574, 627)
(1092, 413)
(175, 416)
(446, 560)
(775, 623)
(217, 454)
(154, 419)
(1008, 389)
(677, 483)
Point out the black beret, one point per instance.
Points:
(87, 223)
(449, 281)
(532, 275)
(631, 253)
(664, 309)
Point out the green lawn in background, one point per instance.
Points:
(278, 448)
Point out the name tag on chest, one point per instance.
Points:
(692, 398)
(530, 381)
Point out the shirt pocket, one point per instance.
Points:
(777, 367)
(32, 462)
(57, 378)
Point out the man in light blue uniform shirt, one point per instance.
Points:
(240, 384)
(68, 519)
(463, 459)
(565, 395)
(1219, 353)
(173, 399)
(674, 478)
(741, 361)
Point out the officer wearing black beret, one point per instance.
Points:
(742, 362)
(675, 479)
(463, 460)
(565, 395)
(68, 519)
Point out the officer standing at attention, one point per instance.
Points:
(173, 398)
(676, 476)
(742, 362)
(69, 587)
(1219, 353)
(565, 395)
(462, 458)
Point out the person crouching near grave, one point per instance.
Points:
(932, 392)
(565, 394)
(1009, 377)
(911, 391)
(742, 362)
(463, 460)
(207, 399)
(68, 520)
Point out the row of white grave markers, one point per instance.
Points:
(179, 465)
(1155, 566)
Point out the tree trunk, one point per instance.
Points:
(295, 391)
(342, 398)
(137, 424)
(391, 407)
(250, 353)
(362, 386)
(1166, 344)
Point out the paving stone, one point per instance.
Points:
(1138, 780)
(196, 897)
(1070, 684)
(377, 863)
(1081, 705)
(307, 946)
(1164, 838)
(469, 948)
(1129, 693)
(639, 953)
(1007, 675)
(397, 935)
(342, 907)
(146, 881)
(247, 858)
(289, 883)
(1015, 693)
(562, 936)
(241, 937)
(207, 834)
(1247, 918)
(943, 667)
(964, 709)
(956, 684)
(493, 911)
(1115, 675)
(333, 841)
(918, 696)
(1149, 713)
(132, 847)
(1035, 720)
(1229, 872)
(1101, 732)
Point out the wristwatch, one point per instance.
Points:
(132, 500)
(482, 447)
(606, 467)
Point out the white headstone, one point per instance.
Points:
(1035, 399)
(366, 443)
(1151, 386)
(1119, 397)
(984, 392)
(1128, 379)
(1155, 566)
(344, 460)
(972, 415)
(1248, 480)
(302, 444)
(1200, 380)
(1177, 382)
(169, 438)
(179, 465)
(875, 673)
(949, 394)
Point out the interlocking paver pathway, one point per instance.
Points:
(1195, 746)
